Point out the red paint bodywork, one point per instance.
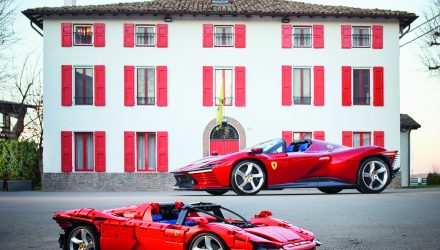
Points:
(321, 161)
(133, 228)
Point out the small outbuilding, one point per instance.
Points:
(407, 124)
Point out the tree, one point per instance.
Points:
(7, 35)
(430, 32)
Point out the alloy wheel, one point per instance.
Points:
(249, 177)
(207, 242)
(81, 239)
(375, 175)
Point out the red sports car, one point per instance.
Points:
(304, 163)
(165, 226)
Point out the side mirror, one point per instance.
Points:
(198, 220)
(256, 150)
(263, 214)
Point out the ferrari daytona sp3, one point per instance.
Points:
(176, 226)
(272, 165)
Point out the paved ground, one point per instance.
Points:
(395, 219)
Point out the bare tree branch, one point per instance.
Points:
(430, 55)
(7, 35)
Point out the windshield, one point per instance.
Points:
(222, 214)
(271, 147)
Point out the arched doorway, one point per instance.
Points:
(224, 140)
(213, 124)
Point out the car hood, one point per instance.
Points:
(274, 233)
(202, 163)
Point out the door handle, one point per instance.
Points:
(324, 158)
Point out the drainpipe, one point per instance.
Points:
(409, 158)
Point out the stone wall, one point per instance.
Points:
(107, 181)
(397, 181)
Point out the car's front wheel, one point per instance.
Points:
(247, 177)
(82, 238)
(207, 241)
(373, 175)
(217, 192)
(330, 190)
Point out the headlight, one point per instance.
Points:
(205, 168)
(266, 246)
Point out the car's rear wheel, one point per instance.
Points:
(217, 192)
(330, 190)
(82, 238)
(207, 241)
(247, 177)
(374, 175)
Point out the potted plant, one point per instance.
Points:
(18, 165)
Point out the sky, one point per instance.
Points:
(419, 91)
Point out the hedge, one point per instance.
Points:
(19, 160)
(433, 179)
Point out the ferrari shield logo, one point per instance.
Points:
(274, 165)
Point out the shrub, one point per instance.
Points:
(19, 160)
(433, 179)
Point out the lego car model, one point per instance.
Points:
(163, 226)
(304, 163)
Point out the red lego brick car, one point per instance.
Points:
(304, 163)
(166, 226)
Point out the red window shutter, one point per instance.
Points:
(346, 86)
(318, 36)
(99, 34)
(347, 138)
(162, 83)
(346, 36)
(162, 35)
(286, 36)
(100, 151)
(129, 85)
(129, 151)
(286, 79)
(240, 36)
(287, 136)
(99, 85)
(66, 35)
(208, 78)
(240, 86)
(208, 33)
(378, 76)
(128, 35)
(66, 85)
(66, 151)
(319, 135)
(377, 37)
(379, 138)
(162, 151)
(318, 85)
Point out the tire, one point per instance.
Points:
(201, 241)
(217, 192)
(374, 175)
(330, 190)
(75, 238)
(247, 177)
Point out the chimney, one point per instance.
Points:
(69, 2)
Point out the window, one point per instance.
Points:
(361, 139)
(361, 86)
(224, 36)
(302, 135)
(84, 86)
(84, 151)
(361, 37)
(223, 82)
(146, 151)
(145, 35)
(301, 86)
(146, 83)
(82, 35)
(302, 37)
